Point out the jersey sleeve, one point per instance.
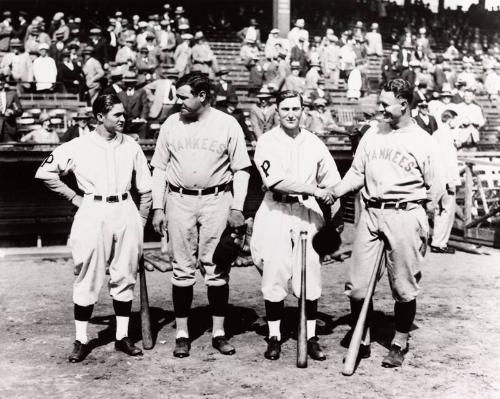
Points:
(161, 155)
(432, 172)
(354, 179)
(328, 174)
(58, 163)
(270, 168)
(237, 147)
(143, 181)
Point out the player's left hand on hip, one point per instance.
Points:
(236, 218)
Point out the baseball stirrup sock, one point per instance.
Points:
(83, 313)
(122, 308)
(404, 314)
(82, 317)
(182, 298)
(274, 310)
(218, 297)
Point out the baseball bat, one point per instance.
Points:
(147, 339)
(302, 330)
(357, 335)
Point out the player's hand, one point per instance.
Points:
(324, 195)
(159, 221)
(77, 200)
(236, 218)
(9, 112)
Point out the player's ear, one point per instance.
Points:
(99, 117)
(202, 95)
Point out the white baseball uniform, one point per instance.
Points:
(275, 243)
(198, 155)
(107, 229)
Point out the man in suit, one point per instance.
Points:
(18, 65)
(135, 102)
(70, 74)
(164, 97)
(92, 69)
(264, 115)
(425, 120)
(224, 91)
(115, 85)
(80, 128)
(10, 109)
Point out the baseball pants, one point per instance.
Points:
(106, 235)
(444, 216)
(275, 247)
(195, 225)
(403, 233)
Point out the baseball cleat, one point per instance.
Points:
(364, 351)
(222, 345)
(125, 345)
(314, 350)
(182, 347)
(395, 357)
(80, 352)
(273, 348)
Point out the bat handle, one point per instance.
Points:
(302, 330)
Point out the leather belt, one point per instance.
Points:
(111, 198)
(202, 191)
(391, 204)
(289, 199)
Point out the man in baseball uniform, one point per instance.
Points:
(295, 167)
(395, 166)
(107, 230)
(201, 154)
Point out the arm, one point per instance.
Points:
(159, 161)
(143, 184)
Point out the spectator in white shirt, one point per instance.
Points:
(374, 41)
(43, 135)
(44, 70)
(298, 32)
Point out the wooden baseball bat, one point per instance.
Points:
(357, 335)
(147, 339)
(302, 330)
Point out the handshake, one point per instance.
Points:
(327, 195)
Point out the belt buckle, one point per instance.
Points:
(112, 198)
(200, 192)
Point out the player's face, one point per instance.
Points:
(390, 107)
(290, 112)
(191, 104)
(114, 120)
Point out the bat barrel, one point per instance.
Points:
(302, 330)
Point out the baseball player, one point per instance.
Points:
(107, 230)
(396, 168)
(200, 153)
(295, 166)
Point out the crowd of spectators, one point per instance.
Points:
(140, 57)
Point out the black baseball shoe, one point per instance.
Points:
(222, 345)
(395, 357)
(80, 352)
(125, 345)
(442, 250)
(182, 347)
(314, 350)
(273, 348)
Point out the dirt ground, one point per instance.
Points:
(455, 350)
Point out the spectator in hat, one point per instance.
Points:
(81, 126)
(136, 104)
(17, 66)
(42, 135)
(182, 22)
(318, 92)
(306, 117)
(458, 96)
(293, 81)
(264, 114)
(43, 36)
(250, 57)
(115, 85)
(111, 37)
(314, 52)
(492, 82)
(440, 104)
(355, 81)
(406, 55)
(359, 48)
(75, 53)
(56, 47)
(44, 70)
(58, 28)
(31, 44)
(22, 26)
(100, 46)
(6, 31)
(391, 65)
(146, 66)
(469, 111)
(224, 91)
(347, 57)
(251, 32)
(374, 41)
(438, 74)
(422, 41)
(297, 32)
(164, 99)
(203, 58)
(70, 74)
(167, 42)
(143, 31)
(10, 109)
(468, 76)
(126, 55)
(424, 119)
(182, 54)
(298, 53)
(330, 57)
(270, 50)
(93, 72)
(313, 75)
(322, 121)
(451, 53)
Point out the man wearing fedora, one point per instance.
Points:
(293, 81)
(264, 114)
(136, 104)
(250, 57)
(80, 128)
(224, 91)
(203, 58)
(164, 97)
(146, 65)
(10, 109)
(100, 46)
(251, 32)
(374, 41)
(182, 54)
(115, 85)
(17, 65)
(93, 71)
(70, 74)
(42, 135)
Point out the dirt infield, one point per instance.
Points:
(455, 350)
